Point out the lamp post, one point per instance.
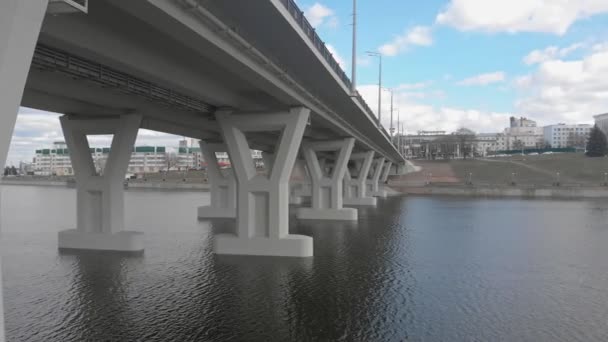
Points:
(353, 74)
(379, 55)
(391, 90)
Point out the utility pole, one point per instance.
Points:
(392, 129)
(353, 74)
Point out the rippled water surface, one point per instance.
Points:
(419, 269)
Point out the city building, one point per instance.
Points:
(53, 161)
(563, 135)
(56, 161)
(601, 120)
(521, 122)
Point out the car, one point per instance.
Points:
(533, 154)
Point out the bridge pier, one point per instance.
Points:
(386, 172)
(327, 187)
(373, 184)
(263, 200)
(20, 23)
(100, 198)
(355, 189)
(223, 184)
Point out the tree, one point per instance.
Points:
(465, 138)
(577, 140)
(597, 146)
(518, 145)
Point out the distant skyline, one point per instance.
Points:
(457, 63)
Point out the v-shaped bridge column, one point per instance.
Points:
(299, 184)
(327, 191)
(263, 200)
(355, 189)
(386, 172)
(373, 183)
(100, 198)
(223, 184)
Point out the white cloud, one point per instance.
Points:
(319, 15)
(484, 79)
(548, 16)
(36, 129)
(417, 85)
(337, 56)
(566, 91)
(418, 35)
(549, 53)
(417, 116)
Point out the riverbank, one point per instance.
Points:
(517, 176)
(558, 192)
(128, 185)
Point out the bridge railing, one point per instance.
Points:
(310, 31)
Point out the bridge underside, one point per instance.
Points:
(181, 54)
(203, 72)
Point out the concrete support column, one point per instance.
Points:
(100, 197)
(223, 184)
(373, 183)
(20, 23)
(299, 185)
(263, 200)
(386, 172)
(355, 187)
(327, 188)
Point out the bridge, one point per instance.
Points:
(238, 75)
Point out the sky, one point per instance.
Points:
(450, 63)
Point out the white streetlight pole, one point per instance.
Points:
(353, 74)
(379, 55)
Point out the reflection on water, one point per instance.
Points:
(434, 269)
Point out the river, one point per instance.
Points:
(414, 268)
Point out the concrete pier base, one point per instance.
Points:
(362, 201)
(126, 241)
(288, 246)
(209, 212)
(344, 214)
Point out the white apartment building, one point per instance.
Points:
(53, 161)
(601, 120)
(562, 135)
(56, 160)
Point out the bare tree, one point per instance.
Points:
(518, 145)
(465, 138)
(577, 140)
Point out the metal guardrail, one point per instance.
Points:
(46, 58)
(299, 17)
